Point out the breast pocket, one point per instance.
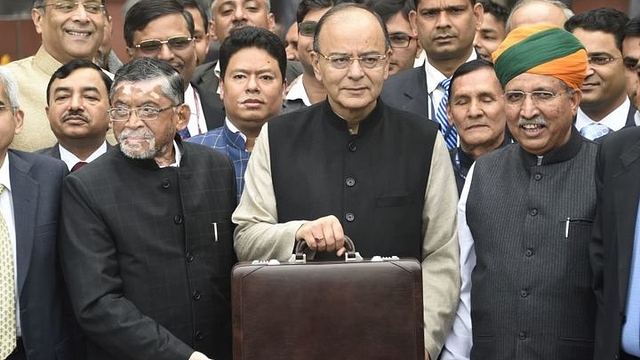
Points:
(576, 244)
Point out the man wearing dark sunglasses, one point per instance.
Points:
(164, 29)
(604, 103)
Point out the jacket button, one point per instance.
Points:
(522, 335)
(178, 219)
(166, 183)
(196, 295)
(537, 176)
(524, 293)
(350, 182)
(349, 217)
(199, 335)
(352, 147)
(533, 212)
(528, 253)
(190, 256)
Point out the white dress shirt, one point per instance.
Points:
(197, 123)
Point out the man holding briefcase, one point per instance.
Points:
(358, 167)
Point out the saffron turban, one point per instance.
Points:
(543, 50)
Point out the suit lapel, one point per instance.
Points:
(24, 191)
(631, 120)
(418, 94)
(626, 195)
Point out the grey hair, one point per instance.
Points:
(558, 3)
(215, 2)
(10, 88)
(144, 69)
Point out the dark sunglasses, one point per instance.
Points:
(180, 42)
(307, 28)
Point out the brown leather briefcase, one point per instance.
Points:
(352, 310)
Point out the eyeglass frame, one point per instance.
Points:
(307, 28)
(405, 35)
(8, 108)
(535, 96)
(136, 110)
(57, 6)
(331, 58)
(138, 46)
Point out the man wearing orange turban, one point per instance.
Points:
(525, 213)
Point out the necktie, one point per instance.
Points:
(7, 291)
(594, 130)
(448, 130)
(78, 165)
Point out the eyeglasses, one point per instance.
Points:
(69, 6)
(539, 97)
(400, 40)
(144, 113)
(601, 60)
(4, 108)
(152, 46)
(307, 28)
(342, 62)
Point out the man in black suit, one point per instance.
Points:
(604, 105)
(447, 38)
(226, 16)
(146, 233)
(77, 103)
(615, 247)
(40, 326)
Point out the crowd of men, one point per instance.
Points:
(499, 147)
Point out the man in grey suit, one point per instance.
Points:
(77, 103)
(40, 326)
(146, 233)
(526, 212)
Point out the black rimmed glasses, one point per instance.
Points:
(307, 28)
(400, 40)
(342, 62)
(144, 113)
(152, 46)
(539, 97)
(92, 7)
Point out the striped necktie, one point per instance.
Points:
(448, 130)
(7, 291)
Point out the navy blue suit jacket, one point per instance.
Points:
(48, 327)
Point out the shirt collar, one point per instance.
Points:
(615, 120)
(5, 179)
(298, 92)
(234, 129)
(434, 76)
(71, 159)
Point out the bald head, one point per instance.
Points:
(533, 12)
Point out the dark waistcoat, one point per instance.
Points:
(374, 182)
(531, 292)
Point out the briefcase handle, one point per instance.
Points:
(350, 255)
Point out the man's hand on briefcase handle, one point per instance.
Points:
(323, 234)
